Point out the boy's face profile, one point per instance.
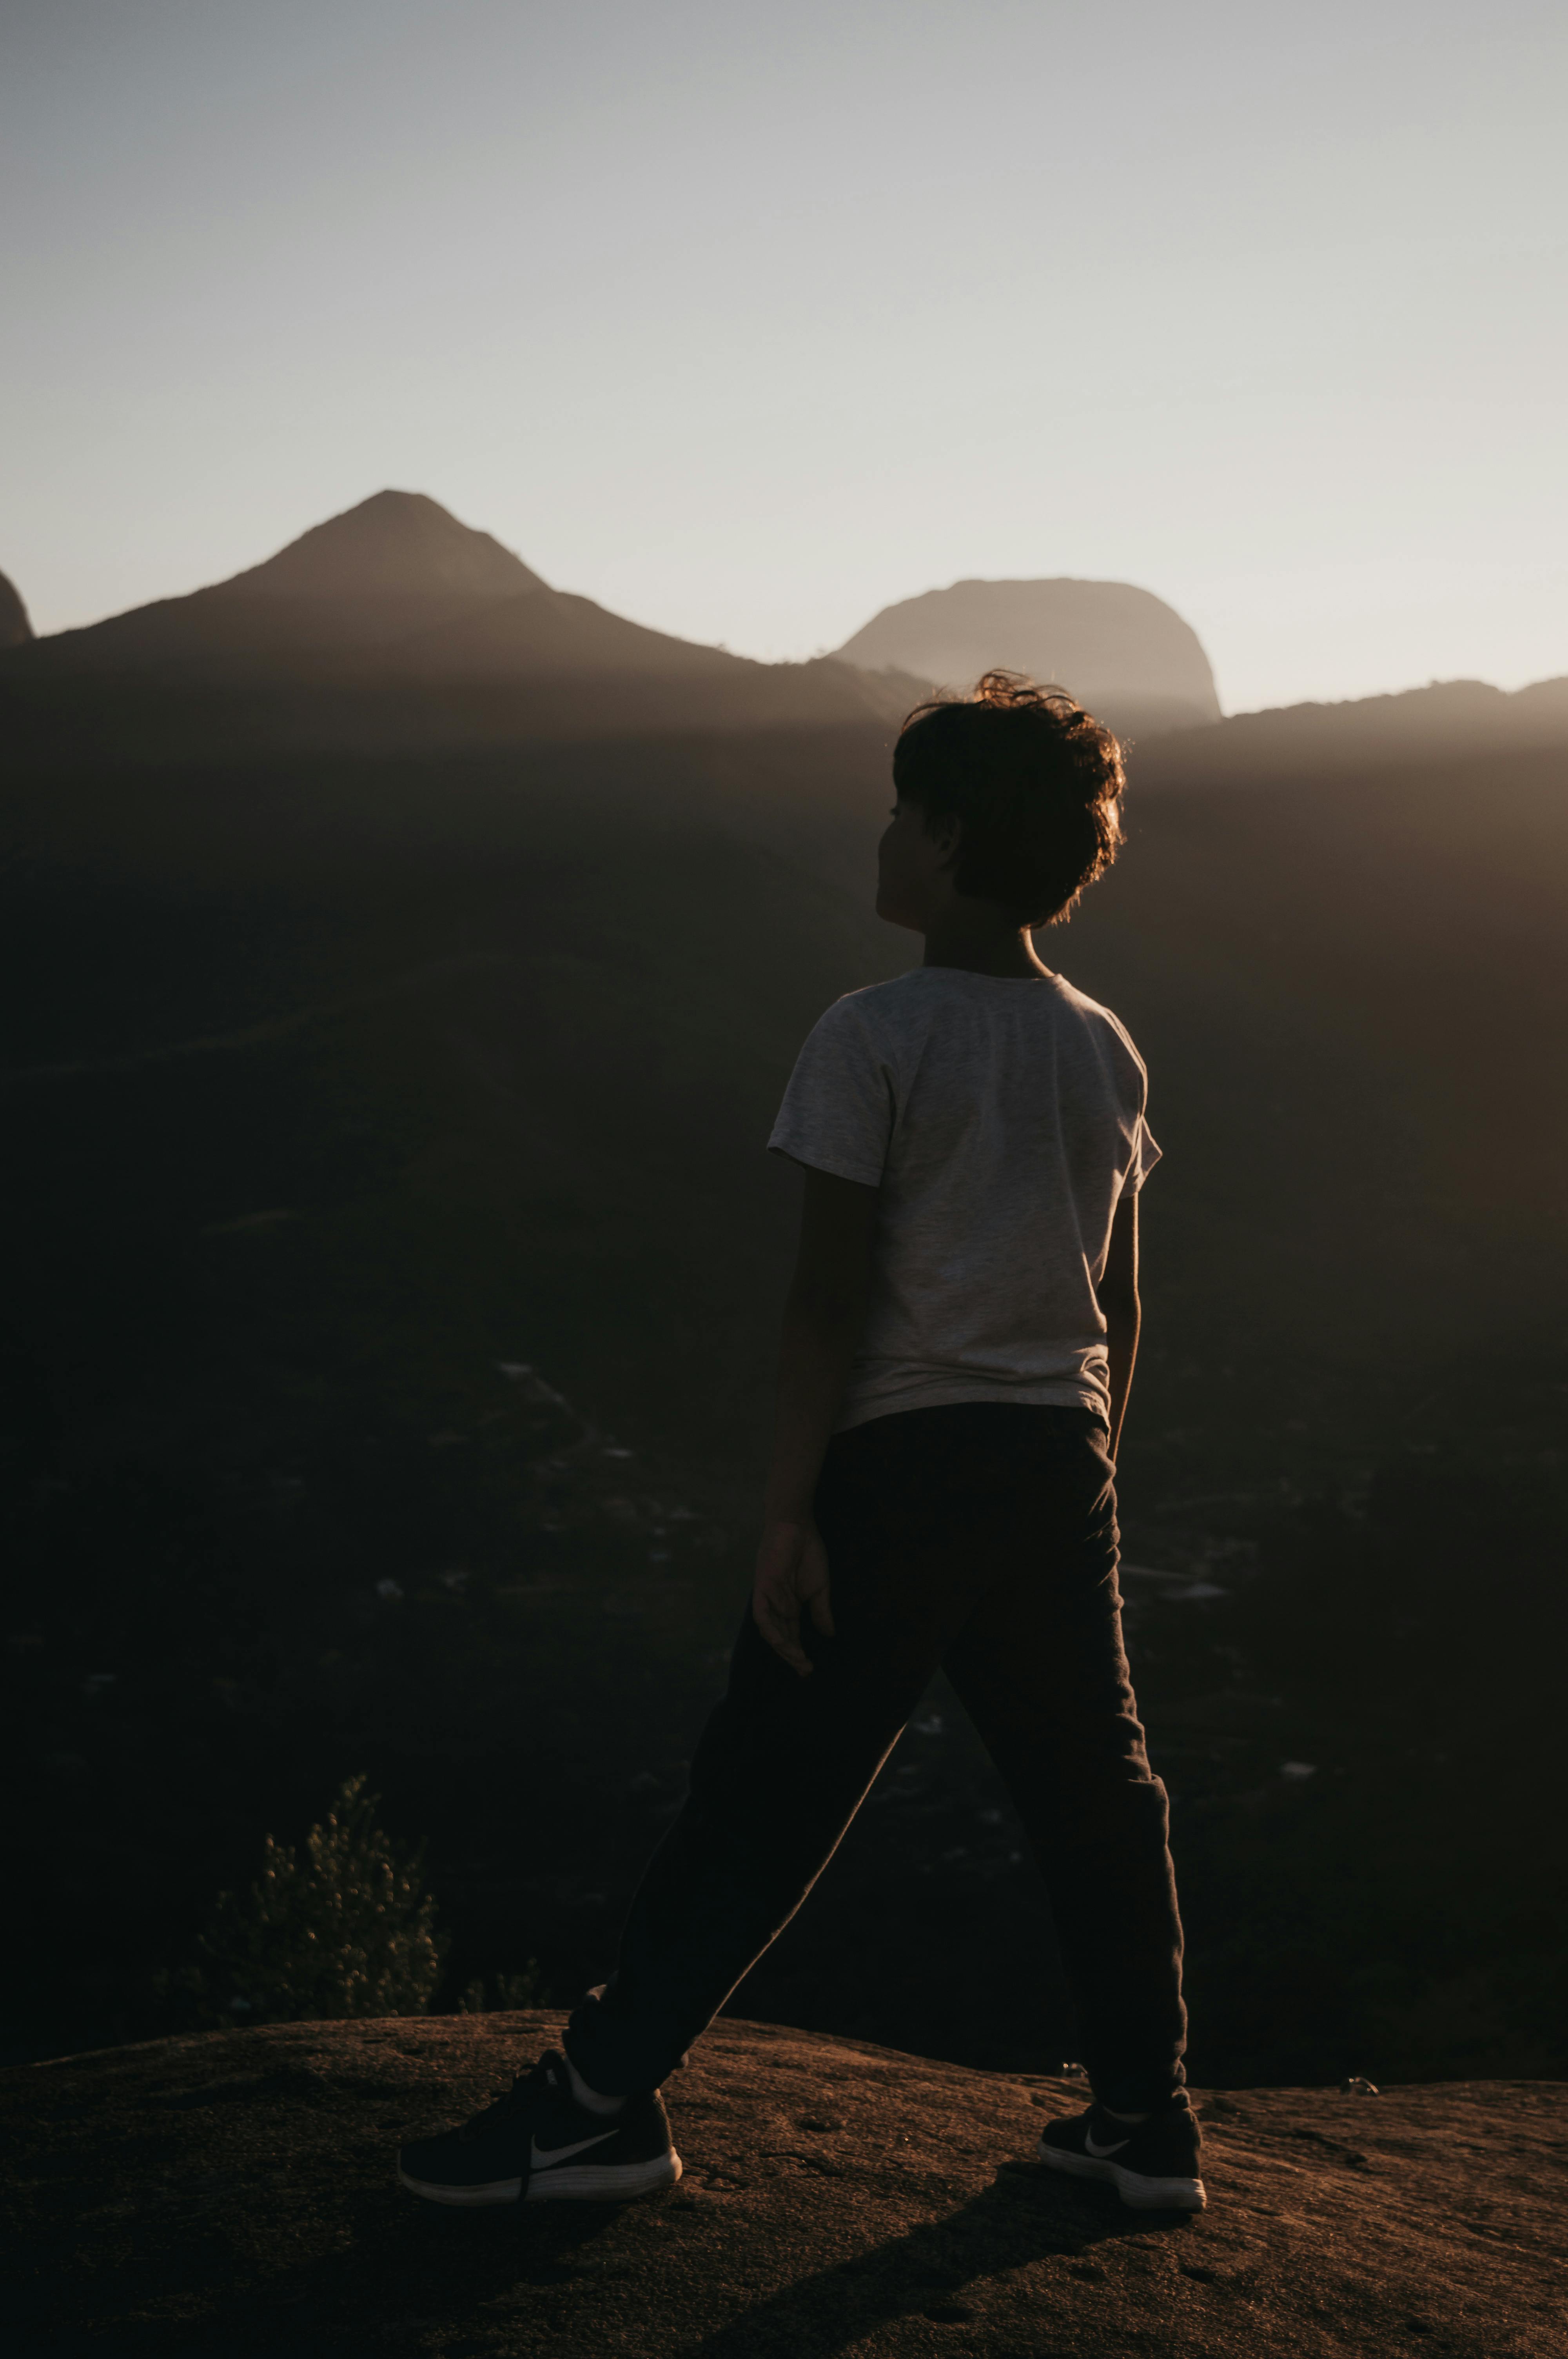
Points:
(914, 868)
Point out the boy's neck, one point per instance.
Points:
(976, 940)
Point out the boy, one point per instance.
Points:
(957, 1350)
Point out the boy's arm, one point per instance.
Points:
(823, 1320)
(1118, 1300)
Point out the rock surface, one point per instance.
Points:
(230, 2193)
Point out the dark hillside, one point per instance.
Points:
(551, 990)
(1352, 994)
(361, 1107)
(1302, 744)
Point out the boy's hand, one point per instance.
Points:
(792, 1573)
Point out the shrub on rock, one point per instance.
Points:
(346, 1930)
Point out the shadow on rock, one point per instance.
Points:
(1026, 2214)
(418, 2263)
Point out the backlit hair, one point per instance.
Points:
(1035, 783)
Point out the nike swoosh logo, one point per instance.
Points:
(1100, 2152)
(542, 2158)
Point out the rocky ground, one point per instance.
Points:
(232, 2193)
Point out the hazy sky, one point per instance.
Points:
(747, 320)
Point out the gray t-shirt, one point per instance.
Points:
(1001, 1121)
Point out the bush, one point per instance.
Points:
(346, 1931)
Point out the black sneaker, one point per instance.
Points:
(1153, 2164)
(537, 2142)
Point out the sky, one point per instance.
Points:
(748, 321)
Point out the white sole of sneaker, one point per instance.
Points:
(587, 2182)
(605, 2182)
(1139, 2192)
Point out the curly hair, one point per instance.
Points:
(1036, 782)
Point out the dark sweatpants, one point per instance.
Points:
(981, 1538)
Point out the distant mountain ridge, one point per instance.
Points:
(397, 593)
(395, 623)
(1120, 650)
(1281, 745)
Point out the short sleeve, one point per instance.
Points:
(837, 1111)
(1144, 1161)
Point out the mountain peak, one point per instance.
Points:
(1128, 655)
(393, 545)
(375, 577)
